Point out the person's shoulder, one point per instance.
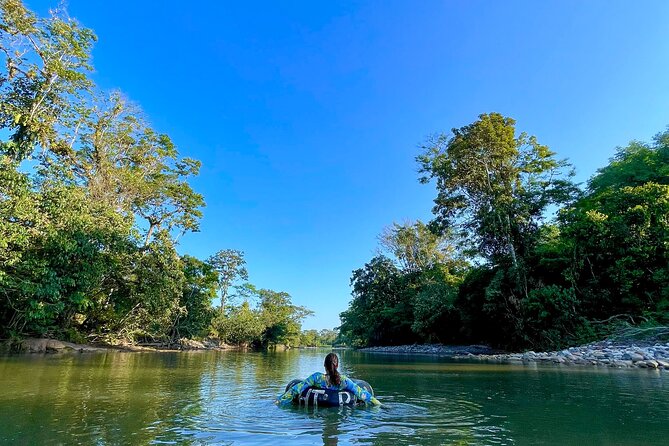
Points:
(316, 376)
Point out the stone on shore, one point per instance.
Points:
(40, 345)
(604, 353)
(190, 344)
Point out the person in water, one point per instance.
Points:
(332, 380)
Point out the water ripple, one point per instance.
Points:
(226, 398)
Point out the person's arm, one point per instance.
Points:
(296, 390)
(360, 393)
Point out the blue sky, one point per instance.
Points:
(307, 115)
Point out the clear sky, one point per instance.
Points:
(307, 115)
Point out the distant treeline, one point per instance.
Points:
(92, 203)
(518, 255)
(319, 338)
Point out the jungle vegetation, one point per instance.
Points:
(518, 255)
(93, 201)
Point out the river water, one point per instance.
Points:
(227, 398)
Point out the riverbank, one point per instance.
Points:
(603, 354)
(44, 345)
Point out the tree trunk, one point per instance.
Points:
(224, 296)
(152, 227)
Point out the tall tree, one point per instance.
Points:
(495, 186)
(231, 267)
(618, 234)
(415, 246)
(70, 245)
(123, 162)
(47, 61)
(282, 319)
(636, 164)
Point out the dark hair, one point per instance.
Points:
(331, 364)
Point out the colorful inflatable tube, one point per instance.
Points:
(311, 396)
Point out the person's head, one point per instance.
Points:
(331, 364)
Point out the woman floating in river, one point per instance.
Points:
(330, 380)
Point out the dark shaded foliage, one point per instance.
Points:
(602, 264)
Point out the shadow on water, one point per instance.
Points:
(109, 398)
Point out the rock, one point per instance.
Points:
(42, 345)
(604, 353)
(190, 344)
(32, 345)
(211, 343)
(622, 363)
(633, 357)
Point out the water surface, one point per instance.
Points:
(227, 398)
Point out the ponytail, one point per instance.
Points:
(331, 364)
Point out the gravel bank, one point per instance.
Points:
(435, 349)
(603, 354)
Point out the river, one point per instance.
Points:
(227, 398)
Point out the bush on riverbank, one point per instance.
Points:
(599, 267)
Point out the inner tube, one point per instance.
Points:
(312, 396)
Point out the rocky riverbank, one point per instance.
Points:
(603, 354)
(42, 345)
(435, 349)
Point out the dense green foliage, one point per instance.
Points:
(230, 266)
(407, 298)
(274, 320)
(92, 203)
(319, 338)
(517, 278)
